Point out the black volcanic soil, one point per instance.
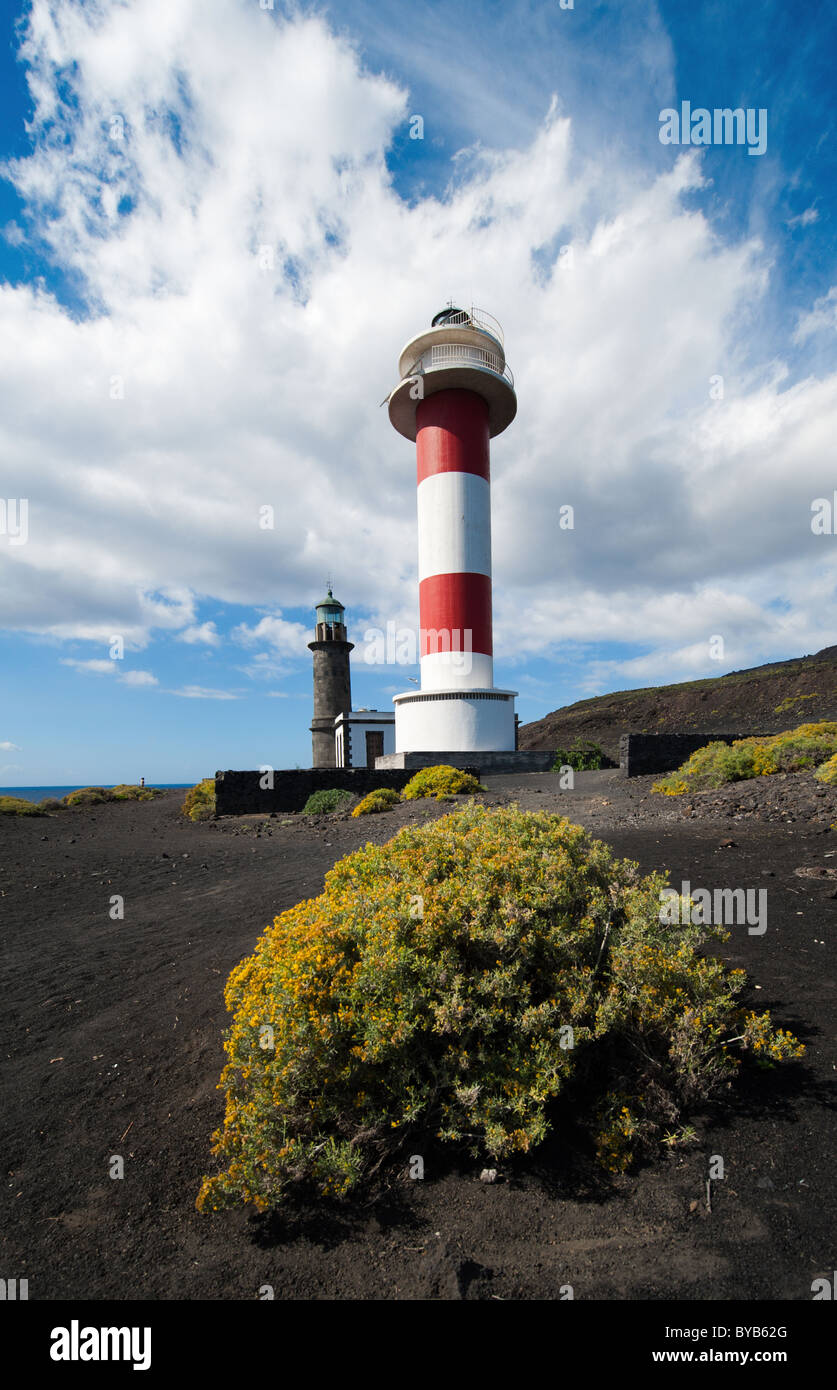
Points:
(761, 700)
(112, 1045)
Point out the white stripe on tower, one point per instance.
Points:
(445, 545)
(454, 532)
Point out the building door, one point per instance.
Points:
(374, 746)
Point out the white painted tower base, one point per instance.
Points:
(436, 721)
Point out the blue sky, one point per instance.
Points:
(160, 385)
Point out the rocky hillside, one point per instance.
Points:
(765, 699)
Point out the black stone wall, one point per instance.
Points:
(640, 754)
(239, 793)
(473, 762)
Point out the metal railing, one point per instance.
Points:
(452, 353)
(478, 318)
(457, 354)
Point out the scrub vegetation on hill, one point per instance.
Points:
(97, 796)
(17, 806)
(794, 750)
(753, 701)
(447, 986)
(84, 796)
(584, 756)
(200, 800)
(827, 772)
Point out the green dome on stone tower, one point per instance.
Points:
(330, 610)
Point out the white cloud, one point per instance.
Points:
(200, 692)
(108, 667)
(246, 386)
(10, 747)
(205, 633)
(822, 316)
(99, 667)
(138, 678)
(804, 219)
(285, 639)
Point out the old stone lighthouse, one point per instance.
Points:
(332, 678)
(341, 736)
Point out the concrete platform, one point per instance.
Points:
(482, 762)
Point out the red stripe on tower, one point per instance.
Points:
(452, 434)
(456, 604)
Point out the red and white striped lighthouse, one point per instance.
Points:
(455, 393)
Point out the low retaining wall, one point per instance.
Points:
(240, 793)
(640, 754)
(470, 762)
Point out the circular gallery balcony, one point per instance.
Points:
(462, 349)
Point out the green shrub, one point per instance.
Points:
(827, 772)
(440, 781)
(200, 801)
(86, 796)
(808, 746)
(130, 792)
(381, 799)
(331, 799)
(584, 756)
(739, 761)
(447, 986)
(18, 806)
(718, 763)
(96, 796)
(791, 700)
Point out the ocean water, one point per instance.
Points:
(41, 793)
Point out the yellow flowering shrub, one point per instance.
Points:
(130, 792)
(84, 796)
(717, 763)
(440, 781)
(200, 801)
(763, 758)
(96, 796)
(19, 806)
(617, 1131)
(769, 1043)
(446, 987)
(381, 799)
(788, 704)
(827, 772)
(671, 786)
